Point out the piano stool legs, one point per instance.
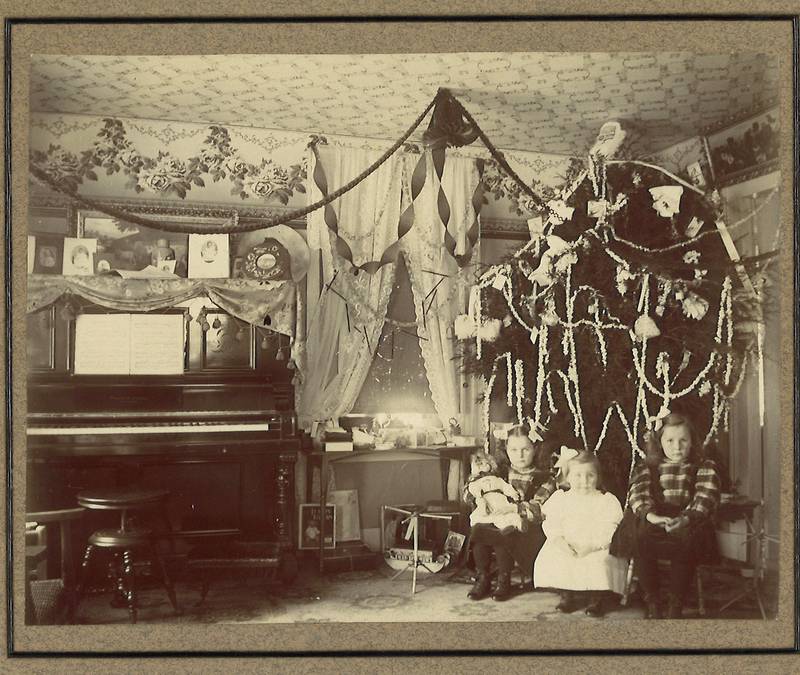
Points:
(82, 577)
(162, 568)
(121, 570)
(126, 582)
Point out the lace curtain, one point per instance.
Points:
(342, 334)
(438, 299)
(431, 267)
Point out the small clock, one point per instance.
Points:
(268, 260)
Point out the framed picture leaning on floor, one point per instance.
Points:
(309, 526)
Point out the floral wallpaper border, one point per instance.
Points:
(164, 174)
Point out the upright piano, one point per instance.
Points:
(223, 441)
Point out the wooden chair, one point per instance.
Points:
(631, 579)
(51, 600)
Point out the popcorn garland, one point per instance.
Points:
(487, 401)
(519, 382)
(515, 375)
(516, 391)
(550, 300)
(509, 382)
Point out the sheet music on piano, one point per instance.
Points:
(129, 344)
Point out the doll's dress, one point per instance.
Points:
(492, 505)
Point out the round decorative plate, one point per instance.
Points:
(268, 260)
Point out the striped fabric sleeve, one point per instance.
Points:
(706, 492)
(640, 500)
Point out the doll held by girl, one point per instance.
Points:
(579, 523)
(529, 474)
(495, 498)
(673, 494)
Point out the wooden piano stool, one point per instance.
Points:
(123, 542)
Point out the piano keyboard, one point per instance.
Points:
(195, 427)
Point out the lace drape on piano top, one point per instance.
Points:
(246, 299)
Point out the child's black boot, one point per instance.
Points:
(675, 607)
(653, 610)
(481, 588)
(596, 607)
(569, 602)
(503, 589)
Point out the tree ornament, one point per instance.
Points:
(550, 318)
(645, 328)
(666, 287)
(464, 327)
(489, 330)
(666, 200)
(694, 306)
(609, 141)
(559, 211)
(623, 278)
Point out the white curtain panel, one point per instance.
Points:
(342, 336)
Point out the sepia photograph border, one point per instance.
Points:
(514, 32)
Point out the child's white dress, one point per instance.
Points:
(582, 520)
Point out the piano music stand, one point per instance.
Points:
(412, 518)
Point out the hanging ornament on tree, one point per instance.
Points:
(464, 327)
(666, 200)
(555, 259)
(549, 316)
(559, 211)
(609, 141)
(694, 306)
(644, 327)
(489, 330)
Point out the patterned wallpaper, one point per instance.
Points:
(541, 102)
(181, 140)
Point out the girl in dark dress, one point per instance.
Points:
(530, 474)
(674, 495)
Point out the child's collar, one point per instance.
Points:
(524, 472)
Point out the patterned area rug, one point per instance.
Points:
(360, 596)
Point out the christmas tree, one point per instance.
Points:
(629, 305)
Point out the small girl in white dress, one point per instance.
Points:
(579, 524)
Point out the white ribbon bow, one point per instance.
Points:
(534, 436)
(666, 199)
(565, 455)
(656, 421)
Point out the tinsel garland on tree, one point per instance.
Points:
(630, 306)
